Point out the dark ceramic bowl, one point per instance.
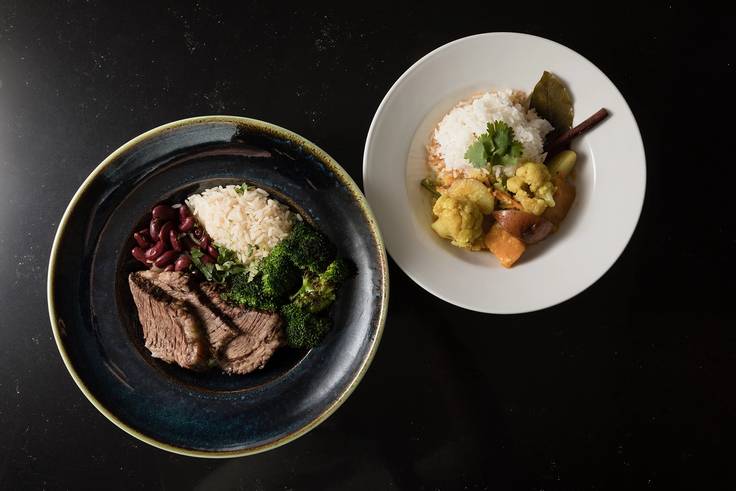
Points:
(95, 322)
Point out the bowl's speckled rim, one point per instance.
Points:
(334, 167)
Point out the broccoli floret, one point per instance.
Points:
(279, 276)
(306, 258)
(250, 294)
(308, 249)
(338, 271)
(318, 291)
(303, 328)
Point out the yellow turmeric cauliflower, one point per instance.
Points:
(532, 187)
(458, 220)
(473, 191)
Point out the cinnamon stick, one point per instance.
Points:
(564, 139)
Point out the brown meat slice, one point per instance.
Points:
(241, 339)
(171, 332)
(220, 330)
(260, 335)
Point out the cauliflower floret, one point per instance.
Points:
(534, 175)
(473, 191)
(458, 220)
(532, 187)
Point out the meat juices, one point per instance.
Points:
(238, 339)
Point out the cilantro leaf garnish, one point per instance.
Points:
(204, 268)
(496, 146)
(477, 154)
(227, 264)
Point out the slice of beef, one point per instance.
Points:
(241, 339)
(260, 334)
(171, 331)
(220, 330)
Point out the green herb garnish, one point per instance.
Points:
(227, 264)
(252, 248)
(241, 188)
(203, 267)
(496, 146)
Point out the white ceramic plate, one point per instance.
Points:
(610, 175)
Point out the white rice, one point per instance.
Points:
(460, 127)
(251, 223)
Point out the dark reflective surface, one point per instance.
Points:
(627, 386)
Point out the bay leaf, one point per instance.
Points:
(552, 101)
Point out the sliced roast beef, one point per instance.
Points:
(260, 335)
(171, 331)
(240, 340)
(220, 330)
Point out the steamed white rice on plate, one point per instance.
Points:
(243, 219)
(468, 119)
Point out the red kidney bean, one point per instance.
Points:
(139, 254)
(187, 242)
(201, 240)
(164, 212)
(186, 224)
(145, 234)
(170, 267)
(184, 212)
(141, 241)
(174, 240)
(208, 259)
(155, 228)
(212, 251)
(198, 233)
(182, 263)
(155, 251)
(165, 259)
(191, 239)
(163, 234)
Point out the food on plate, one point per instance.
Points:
(187, 323)
(564, 197)
(458, 220)
(243, 219)
(500, 168)
(171, 330)
(507, 248)
(491, 128)
(562, 164)
(552, 102)
(531, 185)
(232, 275)
(473, 192)
(527, 227)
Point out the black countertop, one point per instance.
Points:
(626, 386)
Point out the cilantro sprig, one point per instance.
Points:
(242, 188)
(227, 264)
(496, 146)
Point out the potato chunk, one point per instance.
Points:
(507, 248)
